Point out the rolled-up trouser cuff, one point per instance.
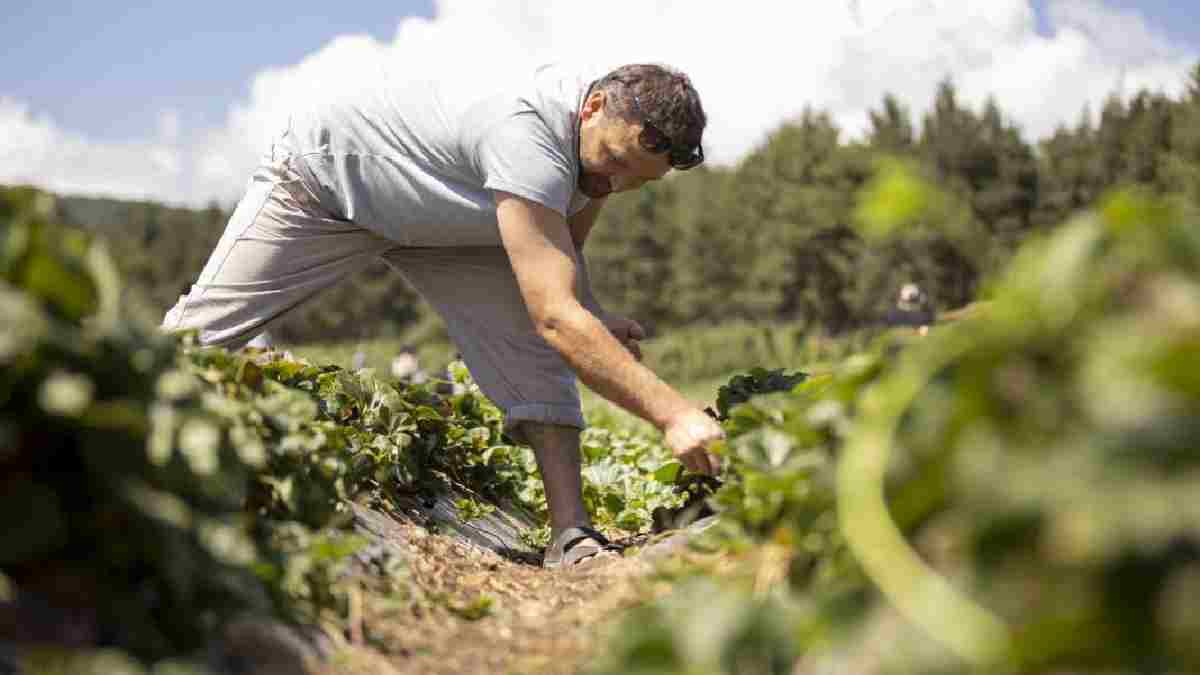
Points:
(544, 413)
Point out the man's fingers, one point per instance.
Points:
(635, 349)
(715, 462)
(689, 462)
(689, 438)
(699, 461)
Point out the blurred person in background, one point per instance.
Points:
(912, 309)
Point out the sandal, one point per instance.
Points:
(565, 550)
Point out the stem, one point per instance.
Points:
(919, 592)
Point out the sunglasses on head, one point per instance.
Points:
(654, 141)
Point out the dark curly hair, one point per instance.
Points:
(666, 97)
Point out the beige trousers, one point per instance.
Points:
(280, 248)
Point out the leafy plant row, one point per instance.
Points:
(1012, 493)
(155, 490)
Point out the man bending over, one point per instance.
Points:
(482, 195)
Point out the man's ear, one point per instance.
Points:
(594, 105)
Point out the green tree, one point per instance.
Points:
(629, 253)
(891, 127)
(798, 189)
(1181, 164)
(1071, 172)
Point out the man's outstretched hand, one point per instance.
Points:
(690, 432)
(688, 436)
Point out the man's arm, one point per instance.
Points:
(542, 251)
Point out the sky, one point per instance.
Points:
(174, 100)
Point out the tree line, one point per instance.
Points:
(772, 238)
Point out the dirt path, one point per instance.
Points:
(463, 609)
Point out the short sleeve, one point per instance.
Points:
(520, 155)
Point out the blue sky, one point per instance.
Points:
(171, 100)
(1178, 20)
(109, 68)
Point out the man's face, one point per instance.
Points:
(613, 159)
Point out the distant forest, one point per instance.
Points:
(772, 238)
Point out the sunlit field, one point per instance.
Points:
(1007, 485)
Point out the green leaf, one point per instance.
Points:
(667, 473)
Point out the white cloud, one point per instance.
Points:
(755, 63)
(34, 150)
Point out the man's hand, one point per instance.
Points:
(688, 435)
(627, 332)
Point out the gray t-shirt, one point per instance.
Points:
(416, 161)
